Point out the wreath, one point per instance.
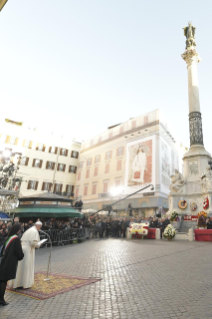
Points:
(206, 203)
(182, 204)
(193, 207)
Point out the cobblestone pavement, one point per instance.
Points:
(140, 279)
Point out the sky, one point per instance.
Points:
(77, 67)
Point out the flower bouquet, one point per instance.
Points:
(202, 222)
(174, 216)
(202, 213)
(169, 232)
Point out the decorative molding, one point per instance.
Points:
(191, 56)
(195, 125)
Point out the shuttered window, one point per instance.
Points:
(107, 168)
(119, 165)
(37, 163)
(74, 154)
(69, 189)
(72, 169)
(61, 167)
(41, 147)
(58, 188)
(32, 185)
(87, 173)
(50, 165)
(24, 161)
(96, 171)
(46, 186)
(63, 152)
(53, 149)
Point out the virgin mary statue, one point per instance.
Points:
(139, 165)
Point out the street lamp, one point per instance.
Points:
(2, 3)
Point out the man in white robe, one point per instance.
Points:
(25, 272)
(139, 166)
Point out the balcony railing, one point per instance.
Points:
(103, 195)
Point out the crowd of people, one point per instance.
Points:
(98, 226)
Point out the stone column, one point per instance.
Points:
(195, 121)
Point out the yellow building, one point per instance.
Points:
(124, 159)
(49, 162)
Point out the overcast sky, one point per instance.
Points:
(81, 66)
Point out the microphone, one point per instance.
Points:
(48, 267)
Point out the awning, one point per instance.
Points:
(3, 215)
(47, 212)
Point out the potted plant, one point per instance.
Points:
(169, 232)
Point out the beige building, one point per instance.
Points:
(48, 161)
(126, 158)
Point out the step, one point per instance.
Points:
(181, 236)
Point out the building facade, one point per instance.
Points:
(48, 162)
(126, 158)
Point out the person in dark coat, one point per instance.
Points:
(11, 253)
(166, 222)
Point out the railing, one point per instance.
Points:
(65, 237)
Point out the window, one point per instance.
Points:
(110, 134)
(133, 124)
(70, 189)
(72, 169)
(79, 176)
(117, 182)
(85, 190)
(32, 185)
(53, 149)
(120, 151)
(119, 165)
(61, 167)
(87, 173)
(50, 165)
(37, 163)
(96, 171)
(74, 154)
(100, 139)
(58, 188)
(107, 168)
(89, 161)
(97, 159)
(108, 155)
(24, 161)
(77, 192)
(121, 130)
(13, 140)
(80, 164)
(63, 152)
(46, 186)
(105, 187)
(145, 120)
(3, 138)
(94, 189)
(40, 147)
(27, 144)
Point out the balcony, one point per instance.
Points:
(103, 195)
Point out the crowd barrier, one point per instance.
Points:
(65, 237)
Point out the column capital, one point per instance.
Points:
(191, 56)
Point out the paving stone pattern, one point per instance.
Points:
(140, 279)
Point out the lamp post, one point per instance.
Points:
(2, 3)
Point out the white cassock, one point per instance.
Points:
(138, 167)
(25, 272)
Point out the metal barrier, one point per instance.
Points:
(66, 236)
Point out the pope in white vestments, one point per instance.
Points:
(25, 272)
(139, 166)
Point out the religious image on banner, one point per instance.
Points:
(140, 163)
(166, 164)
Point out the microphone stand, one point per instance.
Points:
(47, 274)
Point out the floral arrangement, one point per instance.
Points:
(169, 232)
(174, 216)
(202, 213)
(201, 221)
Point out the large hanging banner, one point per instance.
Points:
(165, 152)
(140, 168)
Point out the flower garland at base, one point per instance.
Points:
(174, 216)
(169, 232)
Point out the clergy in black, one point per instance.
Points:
(12, 253)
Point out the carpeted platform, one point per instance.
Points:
(58, 284)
